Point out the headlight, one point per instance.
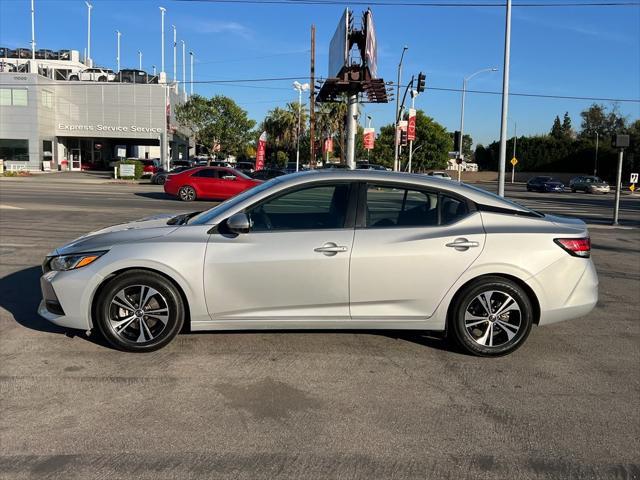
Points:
(71, 262)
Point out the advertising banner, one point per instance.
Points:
(368, 140)
(411, 126)
(327, 145)
(261, 151)
(370, 48)
(338, 48)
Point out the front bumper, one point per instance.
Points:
(67, 297)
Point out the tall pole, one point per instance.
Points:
(505, 100)
(175, 54)
(89, 7)
(616, 208)
(515, 140)
(312, 101)
(352, 127)
(298, 132)
(191, 73)
(595, 165)
(414, 94)
(397, 119)
(118, 35)
(33, 31)
(140, 59)
(184, 70)
(162, 12)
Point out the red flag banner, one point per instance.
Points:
(369, 138)
(411, 127)
(261, 151)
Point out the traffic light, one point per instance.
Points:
(456, 141)
(403, 137)
(422, 80)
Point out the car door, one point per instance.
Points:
(293, 266)
(230, 183)
(206, 182)
(410, 247)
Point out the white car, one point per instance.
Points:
(96, 74)
(332, 249)
(444, 175)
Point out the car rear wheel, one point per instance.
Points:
(491, 317)
(161, 180)
(187, 193)
(102, 78)
(139, 311)
(73, 77)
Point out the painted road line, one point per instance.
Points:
(10, 207)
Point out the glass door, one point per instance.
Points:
(76, 159)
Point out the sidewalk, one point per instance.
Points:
(94, 178)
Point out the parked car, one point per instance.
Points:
(335, 165)
(46, 54)
(544, 184)
(210, 183)
(439, 174)
(589, 184)
(267, 174)
(369, 166)
(245, 167)
(132, 76)
(181, 163)
(372, 241)
(160, 177)
(96, 74)
(149, 167)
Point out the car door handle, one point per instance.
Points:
(330, 249)
(462, 244)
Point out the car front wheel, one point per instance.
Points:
(139, 311)
(491, 317)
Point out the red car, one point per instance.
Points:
(212, 183)
(149, 167)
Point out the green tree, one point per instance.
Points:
(567, 130)
(281, 125)
(331, 123)
(556, 129)
(597, 118)
(217, 121)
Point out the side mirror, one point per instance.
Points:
(239, 223)
(229, 177)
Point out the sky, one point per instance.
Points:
(567, 51)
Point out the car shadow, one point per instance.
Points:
(156, 196)
(20, 296)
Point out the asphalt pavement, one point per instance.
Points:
(313, 404)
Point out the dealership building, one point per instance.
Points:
(46, 123)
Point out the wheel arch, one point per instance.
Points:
(108, 278)
(518, 281)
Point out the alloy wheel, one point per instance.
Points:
(138, 313)
(187, 194)
(492, 318)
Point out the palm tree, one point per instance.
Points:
(330, 121)
(281, 125)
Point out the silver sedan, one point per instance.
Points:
(333, 250)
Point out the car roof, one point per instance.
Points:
(474, 194)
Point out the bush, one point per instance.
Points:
(138, 168)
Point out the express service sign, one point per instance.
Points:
(107, 129)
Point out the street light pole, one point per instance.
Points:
(118, 35)
(191, 68)
(89, 7)
(299, 87)
(184, 70)
(505, 100)
(33, 31)
(175, 55)
(397, 119)
(595, 166)
(162, 12)
(140, 59)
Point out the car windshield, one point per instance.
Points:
(207, 215)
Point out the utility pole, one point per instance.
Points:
(616, 208)
(140, 59)
(191, 67)
(352, 127)
(184, 70)
(33, 31)
(118, 35)
(595, 165)
(162, 12)
(299, 87)
(88, 57)
(312, 101)
(505, 101)
(515, 139)
(397, 119)
(175, 55)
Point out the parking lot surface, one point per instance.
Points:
(315, 404)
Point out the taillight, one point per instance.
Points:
(578, 247)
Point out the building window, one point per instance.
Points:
(17, 150)
(13, 96)
(47, 98)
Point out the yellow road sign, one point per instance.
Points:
(514, 161)
(632, 187)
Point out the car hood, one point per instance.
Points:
(105, 238)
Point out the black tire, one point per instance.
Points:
(74, 78)
(158, 332)
(161, 180)
(467, 304)
(102, 78)
(187, 193)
